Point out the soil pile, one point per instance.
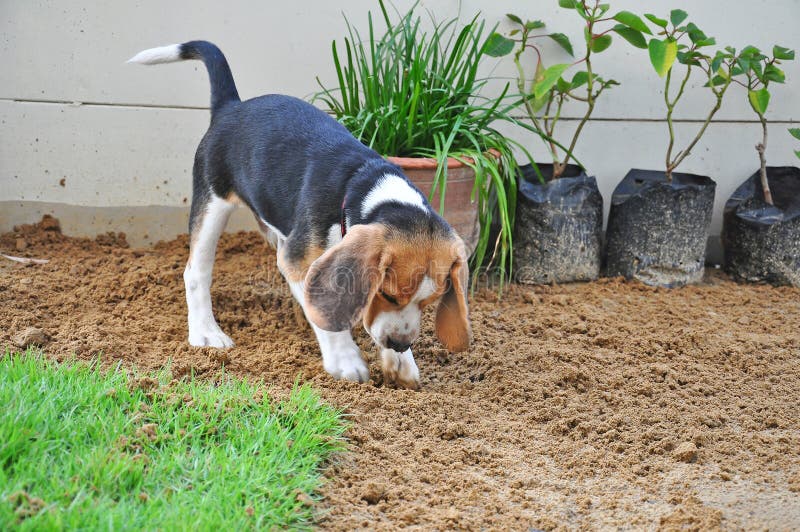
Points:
(579, 406)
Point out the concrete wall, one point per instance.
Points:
(82, 133)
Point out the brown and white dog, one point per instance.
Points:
(355, 239)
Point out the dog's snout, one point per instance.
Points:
(396, 345)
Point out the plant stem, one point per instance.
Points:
(590, 98)
(550, 126)
(682, 155)
(558, 168)
(527, 100)
(761, 148)
(670, 109)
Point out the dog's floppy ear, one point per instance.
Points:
(342, 280)
(452, 316)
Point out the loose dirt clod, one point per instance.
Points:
(686, 452)
(30, 336)
(374, 493)
(566, 413)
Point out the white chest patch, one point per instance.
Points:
(391, 188)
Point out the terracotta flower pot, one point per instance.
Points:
(459, 210)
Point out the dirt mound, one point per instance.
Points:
(579, 406)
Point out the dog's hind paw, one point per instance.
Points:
(209, 337)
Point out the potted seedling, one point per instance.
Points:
(761, 221)
(560, 210)
(658, 221)
(414, 96)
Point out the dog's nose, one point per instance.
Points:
(400, 347)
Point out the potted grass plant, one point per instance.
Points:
(761, 220)
(559, 215)
(414, 95)
(659, 219)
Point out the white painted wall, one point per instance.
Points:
(124, 135)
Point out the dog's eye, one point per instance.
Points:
(388, 298)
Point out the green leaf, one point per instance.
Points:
(549, 78)
(744, 63)
(657, 21)
(579, 79)
(604, 8)
(538, 103)
(752, 52)
(795, 132)
(632, 21)
(514, 18)
(797, 152)
(773, 73)
(716, 81)
(563, 85)
(759, 70)
(759, 100)
(534, 25)
(569, 4)
(631, 35)
(563, 41)
(716, 63)
(598, 44)
(498, 45)
(688, 58)
(676, 16)
(779, 52)
(662, 55)
(695, 33)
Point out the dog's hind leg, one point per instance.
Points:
(208, 219)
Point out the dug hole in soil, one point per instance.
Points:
(592, 405)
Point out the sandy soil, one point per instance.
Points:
(608, 404)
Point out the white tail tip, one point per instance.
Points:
(162, 54)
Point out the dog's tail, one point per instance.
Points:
(223, 89)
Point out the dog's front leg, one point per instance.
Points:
(400, 368)
(341, 356)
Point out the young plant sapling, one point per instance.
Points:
(676, 42)
(547, 87)
(759, 71)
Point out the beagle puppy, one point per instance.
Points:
(355, 239)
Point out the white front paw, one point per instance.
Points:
(208, 335)
(400, 368)
(346, 364)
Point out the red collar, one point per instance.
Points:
(343, 218)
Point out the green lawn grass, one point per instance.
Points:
(83, 448)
